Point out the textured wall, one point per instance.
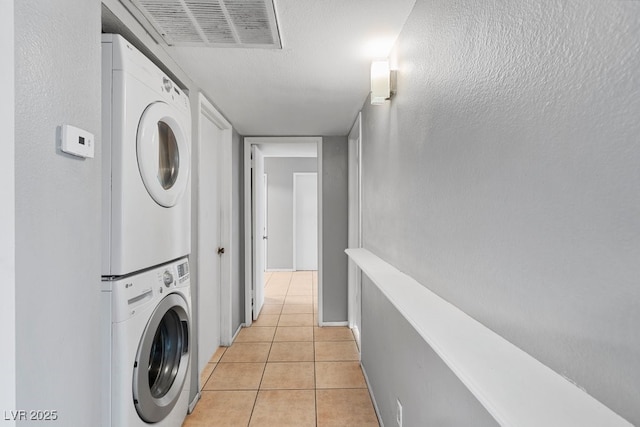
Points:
(280, 172)
(504, 176)
(58, 210)
(335, 193)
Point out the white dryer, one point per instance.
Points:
(146, 373)
(146, 140)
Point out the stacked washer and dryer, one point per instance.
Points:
(146, 294)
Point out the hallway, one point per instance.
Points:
(284, 370)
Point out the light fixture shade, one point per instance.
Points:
(380, 82)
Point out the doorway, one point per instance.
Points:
(211, 294)
(255, 151)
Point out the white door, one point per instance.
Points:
(258, 228)
(354, 233)
(208, 242)
(305, 220)
(265, 224)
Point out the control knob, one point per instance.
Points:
(167, 84)
(167, 278)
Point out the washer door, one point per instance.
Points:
(163, 154)
(161, 364)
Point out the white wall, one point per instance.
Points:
(7, 215)
(280, 172)
(58, 210)
(504, 176)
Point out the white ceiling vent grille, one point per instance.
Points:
(213, 23)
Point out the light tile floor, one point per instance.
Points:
(283, 370)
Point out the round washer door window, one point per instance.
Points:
(162, 360)
(163, 154)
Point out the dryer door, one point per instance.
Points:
(163, 154)
(162, 361)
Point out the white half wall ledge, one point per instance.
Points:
(515, 388)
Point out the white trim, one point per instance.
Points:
(225, 195)
(248, 255)
(265, 242)
(7, 214)
(236, 333)
(294, 257)
(344, 323)
(358, 336)
(355, 222)
(194, 402)
(491, 367)
(320, 240)
(257, 229)
(373, 398)
(275, 270)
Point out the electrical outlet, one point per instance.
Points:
(399, 412)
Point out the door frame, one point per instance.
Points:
(257, 227)
(354, 275)
(295, 246)
(225, 195)
(248, 252)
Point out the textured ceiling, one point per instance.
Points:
(316, 83)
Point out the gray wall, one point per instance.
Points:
(237, 233)
(335, 193)
(58, 211)
(504, 176)
(280, 172)
(401, 365)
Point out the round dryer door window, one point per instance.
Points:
(163, 155)
(162, 360)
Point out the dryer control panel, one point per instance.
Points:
(183, 272)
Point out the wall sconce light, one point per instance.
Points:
(381, 82)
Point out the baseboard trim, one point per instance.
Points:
(242, 325)
(194, 402)
(334, 324)
(373, 398)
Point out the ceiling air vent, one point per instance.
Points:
(213, 23)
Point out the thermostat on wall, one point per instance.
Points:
(77, 141)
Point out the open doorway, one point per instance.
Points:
(277, 231)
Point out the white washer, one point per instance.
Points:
(147, 353)
(146, 146)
